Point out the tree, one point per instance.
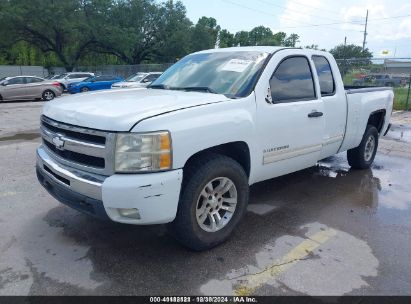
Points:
(350, 51)
(226, 39)
(314, 47)
(204, 34)
(128, 29)
(51, 26)
(174, 33)
(241, 38)
(292, 40)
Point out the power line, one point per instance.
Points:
(294, 10)
(370, 20)
(304, 23)
(317, 8)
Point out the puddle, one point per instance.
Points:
(400, 133)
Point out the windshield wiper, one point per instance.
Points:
(207, 89)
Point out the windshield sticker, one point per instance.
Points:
(236, 65)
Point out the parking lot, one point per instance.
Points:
(327, 230)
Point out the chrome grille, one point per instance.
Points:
(86, 149)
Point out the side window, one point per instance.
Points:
(325, 75)
(104, 78)
(151, 77)
(17, 80)
(33, 79)
(292, 81)
(74, 76)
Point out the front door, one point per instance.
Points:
(14, 89)
(290, 115)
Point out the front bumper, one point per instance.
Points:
(154, 195)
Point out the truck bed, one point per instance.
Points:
(364, 89)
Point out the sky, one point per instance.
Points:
(344, 18)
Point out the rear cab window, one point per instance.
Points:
(292, 81)
(325, 75)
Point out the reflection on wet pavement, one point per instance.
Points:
(339, 231)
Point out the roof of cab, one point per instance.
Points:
(263, 49)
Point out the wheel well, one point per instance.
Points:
(238, 151)
(376, 119)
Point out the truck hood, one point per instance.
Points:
(120, 110)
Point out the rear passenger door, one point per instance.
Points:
(290, 115)
(34, 87)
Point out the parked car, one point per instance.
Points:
(139, 80)
(94, 83)
(185, 150)
(51, 77)
(379, 80)
(73, 77)
(28, 88)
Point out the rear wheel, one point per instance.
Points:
(363, 156)
(48, 95)
(213, 200)
(84, 89)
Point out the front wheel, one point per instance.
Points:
(84, 89)
(363, 156)
(213, 200)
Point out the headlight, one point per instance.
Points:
(137, 152)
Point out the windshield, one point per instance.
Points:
(135, 77)
(230, 73)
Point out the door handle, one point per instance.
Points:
(315, 114)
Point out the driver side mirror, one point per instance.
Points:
(146, 80)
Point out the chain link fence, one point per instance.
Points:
(123, 70)
(392, 72)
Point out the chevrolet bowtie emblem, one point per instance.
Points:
(58, 142)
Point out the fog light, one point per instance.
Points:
(130, 213)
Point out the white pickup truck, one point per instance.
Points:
(185, 150)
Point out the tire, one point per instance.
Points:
(363, 156)
(84, 89)
(48, 95)
(218, 170)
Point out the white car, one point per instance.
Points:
(71, 77)
(139, 80)
(185, 150)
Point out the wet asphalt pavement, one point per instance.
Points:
(327, 230)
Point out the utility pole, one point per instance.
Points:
(365, 33)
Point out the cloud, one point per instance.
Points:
(387, 33)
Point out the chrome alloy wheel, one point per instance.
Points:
(369, 148)
(48, 95)
(216, 204)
